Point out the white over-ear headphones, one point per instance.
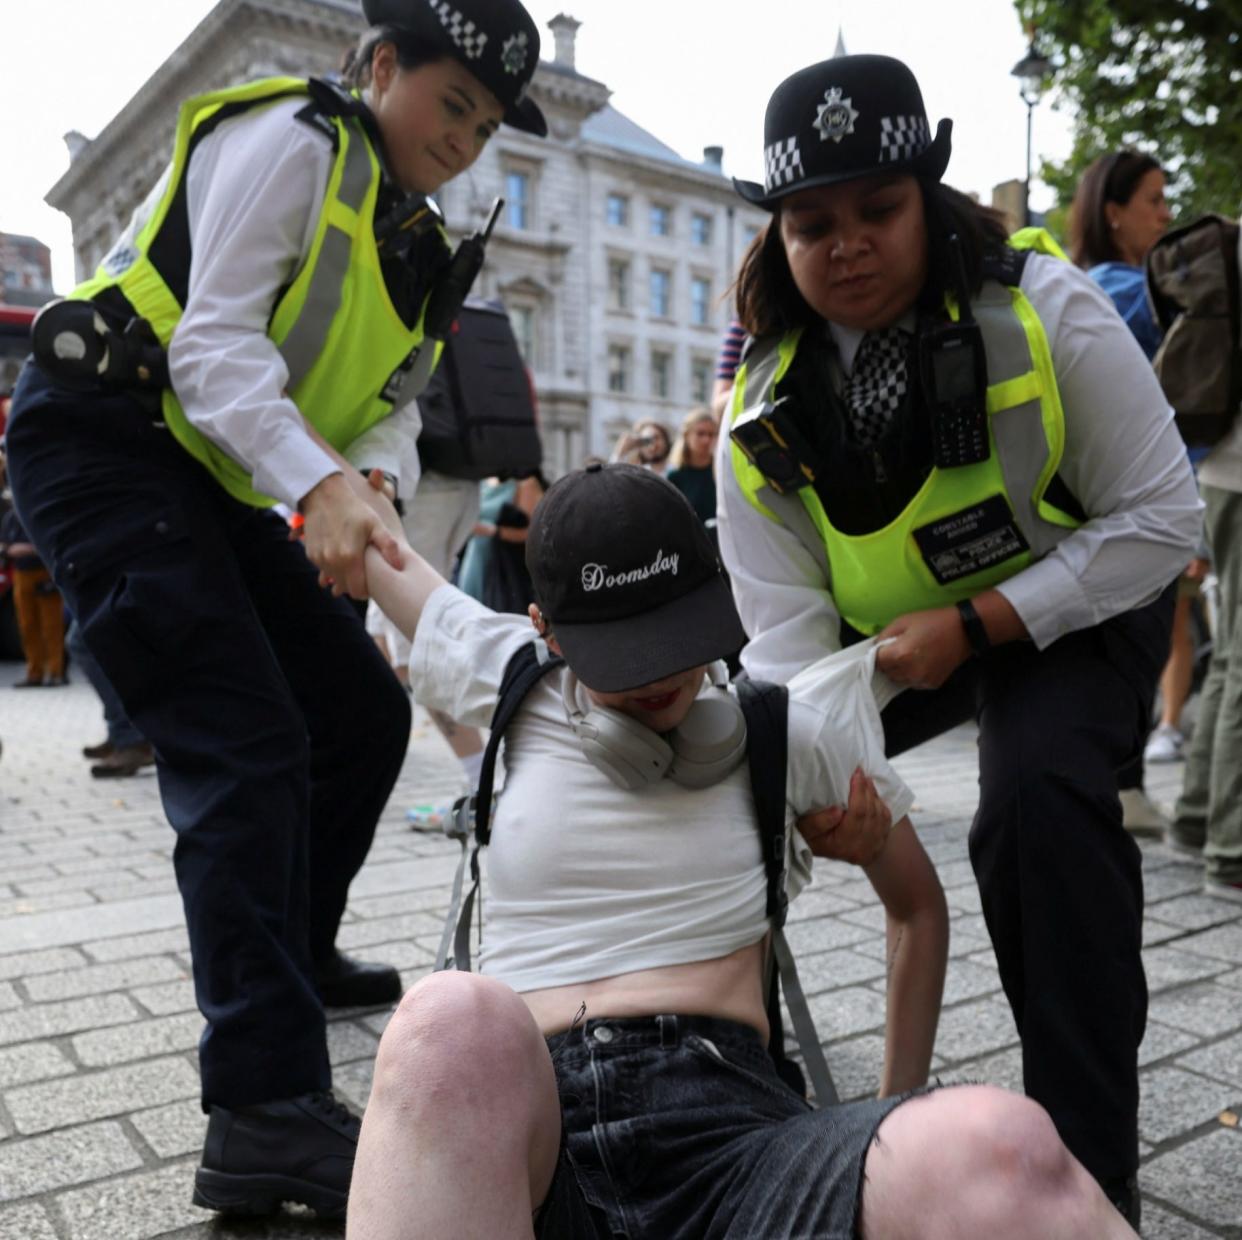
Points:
(705, 747)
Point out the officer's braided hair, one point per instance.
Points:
(411, 51)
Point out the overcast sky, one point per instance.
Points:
(680, 68)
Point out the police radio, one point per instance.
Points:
(953, 372)
(772, 443)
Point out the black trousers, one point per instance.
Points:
(1061, 881)
(278, 728)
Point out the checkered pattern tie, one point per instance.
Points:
(877, 385)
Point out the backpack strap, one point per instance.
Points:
(472, 814)
(766, 709)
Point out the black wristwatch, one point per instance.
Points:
(976, 634)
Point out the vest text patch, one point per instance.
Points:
(971, 540)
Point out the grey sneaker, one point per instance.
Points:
(1222, 890)
(1164, 745)
(1140, 815)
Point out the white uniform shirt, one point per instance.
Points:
(585, 880)
(1124, 461)
(254, 189)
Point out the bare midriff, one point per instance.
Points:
(730, 987)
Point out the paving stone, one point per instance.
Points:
(27, 964)
(74, 1156)
(1172, 1102)
(1222, 1060)
(832, 970)
(1202, 1008)
(74, 882)
(140, 1040)
(980, 1027)
(814, 903)
(1157, 932)
(1160, 1041)
(98, 921)
(1201, 1177)
(1163, 887)
(134, 1207)
(32, 1061)
(352, 1082)
(807, 938)
(967, 979)
(88, 1096)
(1224, 943)
(48, 1020)
(377, 1022)
(130, 946)
(840, 1013)
(1170, 966)
(1160, 1224)
(28, 908)
(101, 978)
(9, 998)
(173, 1130)
(348, 1041)
(1195, 912)
(168, 998)
(855, 1065)
(1003, 1069)
(28, 1221)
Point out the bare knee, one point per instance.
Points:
(1008, 1139)
(456, 1040)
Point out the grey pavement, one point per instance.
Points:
(100, 1127)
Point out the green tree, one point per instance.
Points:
(1161, 76)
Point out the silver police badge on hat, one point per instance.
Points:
(836, 116)
(513, 54)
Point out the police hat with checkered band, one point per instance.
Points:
(848, 117)
(495, 39)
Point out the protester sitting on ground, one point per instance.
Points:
(647, 443)
(1119, 212)
(692, 463)
(608, 1074)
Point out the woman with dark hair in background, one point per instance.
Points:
(953, 444)
(266, 320)
(1119, 212)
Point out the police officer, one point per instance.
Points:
(956, 444)
(289, 274)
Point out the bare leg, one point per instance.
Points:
(974, 1163)
(463, 1128)
(1178, 671)
(463, 741)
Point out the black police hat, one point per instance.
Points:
(845, 118)
(495, 39)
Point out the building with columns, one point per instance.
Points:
(613, 254)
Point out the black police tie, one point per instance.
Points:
(878, 383)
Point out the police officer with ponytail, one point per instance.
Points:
(256, 335)
(950, 440)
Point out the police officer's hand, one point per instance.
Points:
(857, 833)
(927, 648)
(343, 517)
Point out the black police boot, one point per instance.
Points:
(1123, 1192)
(345, 982)
(298, 1149)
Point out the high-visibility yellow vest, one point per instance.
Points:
(966, 529)
(350, 356)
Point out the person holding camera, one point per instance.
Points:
(291, 276)
(953, 442)
(647, 443)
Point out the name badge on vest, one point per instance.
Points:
(970, 541)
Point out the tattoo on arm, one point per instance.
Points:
(892, 956)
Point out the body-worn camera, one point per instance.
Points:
(773, 444)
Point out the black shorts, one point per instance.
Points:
(678, 1127)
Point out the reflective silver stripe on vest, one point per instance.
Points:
(413, 382)
(1019, 432)
(308, 336)
(761, 365)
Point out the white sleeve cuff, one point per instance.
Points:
(1049, 600)
(293, 468)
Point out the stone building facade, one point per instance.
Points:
(613, 254)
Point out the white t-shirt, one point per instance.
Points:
(585, 880)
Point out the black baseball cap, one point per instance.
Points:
(628, 579)
(497, 40)
(848, 117)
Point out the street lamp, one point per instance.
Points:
(1030, 72)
